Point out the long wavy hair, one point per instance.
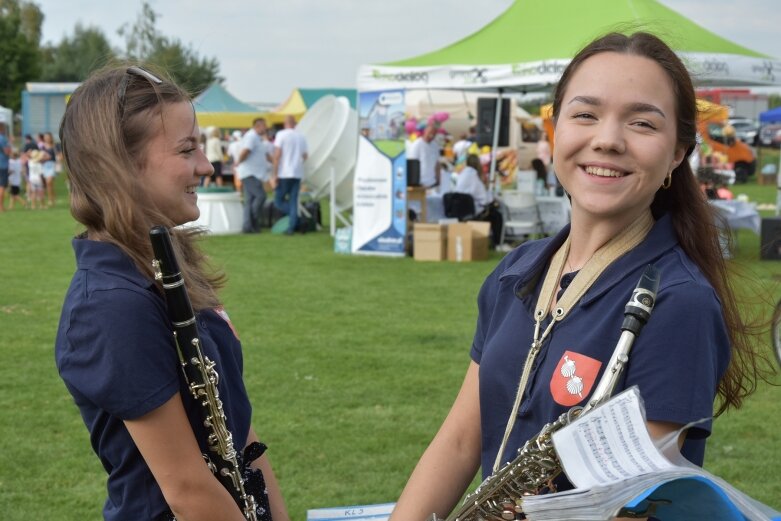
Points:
(108, 123)
(692, 217)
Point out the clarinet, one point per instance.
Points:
(199, 373)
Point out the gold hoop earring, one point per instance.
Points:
(668, 181)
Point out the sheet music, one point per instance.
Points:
(610, 457)
(610, 444)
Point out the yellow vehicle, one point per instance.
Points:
(711, 124)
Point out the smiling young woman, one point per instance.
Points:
(129, 138)
(616, 139)
(624, 113)
(175, 164)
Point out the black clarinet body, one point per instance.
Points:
(199, 373)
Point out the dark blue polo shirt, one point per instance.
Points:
(677, 361)
(116, 353)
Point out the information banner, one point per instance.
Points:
(380, 183)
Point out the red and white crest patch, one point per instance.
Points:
(573, 378)
(224, 315)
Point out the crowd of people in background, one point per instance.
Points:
(249, 160)
(27, 174)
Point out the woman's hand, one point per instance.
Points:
(167, 443)
(275, 499)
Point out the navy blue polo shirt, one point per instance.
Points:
(677, 361)
(116, 353)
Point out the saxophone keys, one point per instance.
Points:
(508, 509)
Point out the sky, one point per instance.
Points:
(267, 48)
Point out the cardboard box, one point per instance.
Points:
(430, 242)
(468, 241)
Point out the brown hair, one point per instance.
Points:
(107, 125)
(474, 161)
(693, 219)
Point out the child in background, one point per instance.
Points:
(35, 179)
(15, 179)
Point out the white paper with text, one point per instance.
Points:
(609, 444)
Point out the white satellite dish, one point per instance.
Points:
(322, 126)
(340, 163)
(344, 191)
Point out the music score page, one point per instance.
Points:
(609, 444)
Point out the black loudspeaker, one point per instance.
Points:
(771, 239)
(486, 119)
(413, 172)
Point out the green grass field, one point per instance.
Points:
(351, 362)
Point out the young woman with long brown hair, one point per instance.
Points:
(624, 113)
(130, 139)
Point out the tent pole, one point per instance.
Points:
(332, 220)
(778, 184)
(495, 144)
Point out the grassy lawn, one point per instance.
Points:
(351, 363)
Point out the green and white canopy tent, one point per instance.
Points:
(526, 48)
(529, 45)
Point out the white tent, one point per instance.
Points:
(7, 117)
(461, 106)
(528, 46)
(526, 49)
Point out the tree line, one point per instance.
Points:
(23, 58)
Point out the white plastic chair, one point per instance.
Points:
(521, 214)
(554, 212)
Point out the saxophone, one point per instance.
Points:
(500, 496)
(199, 373)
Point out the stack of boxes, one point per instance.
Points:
(458, 242)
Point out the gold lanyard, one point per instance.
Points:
(630, 237)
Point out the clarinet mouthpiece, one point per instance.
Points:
(641, 303)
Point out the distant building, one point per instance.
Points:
(741, 102)
(43, 105)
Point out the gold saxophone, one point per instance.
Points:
(500, 496)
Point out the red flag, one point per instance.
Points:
(573, 378)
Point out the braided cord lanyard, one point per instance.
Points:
(629, 237)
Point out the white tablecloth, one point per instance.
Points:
(435, 208)
(554, 212)
(738, 214)
(221, 212)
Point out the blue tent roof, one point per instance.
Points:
(770, 116)
(310, 96)
(217, 99)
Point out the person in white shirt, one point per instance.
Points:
(470, 182)
(233, 152)
(214, 155)
(461, 147)
(15, 180)
(426, 150)
(253, 167)
(290, 152)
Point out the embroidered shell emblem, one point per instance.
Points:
(568, 367)
(575, 385)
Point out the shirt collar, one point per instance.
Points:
(528, 262)
(108, 258)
